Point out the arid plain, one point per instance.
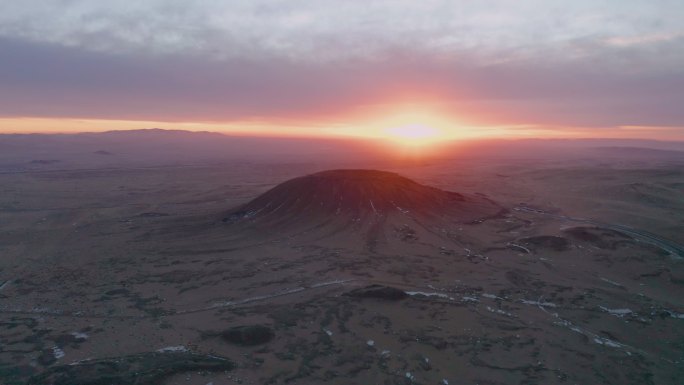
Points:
(548, 266)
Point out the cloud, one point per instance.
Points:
(315, 30)
(499, 62)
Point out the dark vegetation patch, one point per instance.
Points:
(248, 335)
(152, 214)
(523, 280)
(118, 292)
(288, 316)
(47, 357)
(12, 375)
(70, 340)
(145, 368)
(423, 337)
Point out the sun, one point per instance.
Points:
(414, 134)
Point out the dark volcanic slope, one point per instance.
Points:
(358, 196)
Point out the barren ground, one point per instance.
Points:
(100, 264)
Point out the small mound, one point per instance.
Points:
(249, 335)
(547, 242)
(378, 291)
(599, 237)
(357, 196)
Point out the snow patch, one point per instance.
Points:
(570, 326)
(372, 206)
(520, 247)
(57, 352)
(279, 294)
(617, 312)
(538, 303)
(675, 315)
(597, 339)
(172, 349)
(329, 283)
(440, 295)
(611, 282)
(81, 362)
(499, 311)
(491, 296)
(607, 342)
(79, 335)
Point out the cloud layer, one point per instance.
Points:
(582, 63)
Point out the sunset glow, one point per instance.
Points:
(367, 192)
(415, 134)
(409, 71)
(414, 131)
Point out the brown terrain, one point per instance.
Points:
(500, 268)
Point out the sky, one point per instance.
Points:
(462, 68)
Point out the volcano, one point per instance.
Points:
(358, 198)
